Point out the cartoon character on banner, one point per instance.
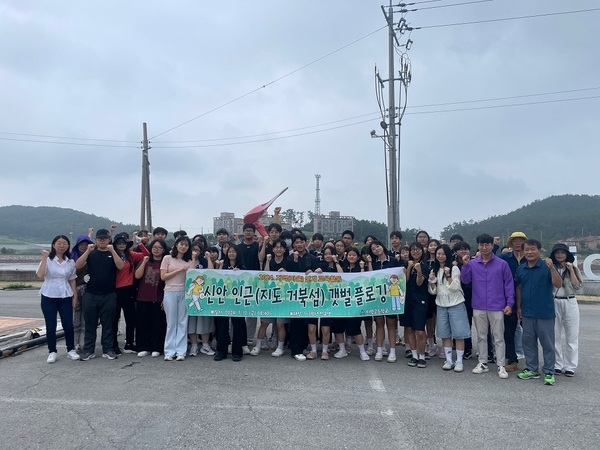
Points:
(396, 293)
(196, 291)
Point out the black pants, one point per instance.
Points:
(127, 304)
(510, 326)
(298, 339)
(98, 307)
(223, 338)
(149, 320)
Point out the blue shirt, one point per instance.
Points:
(537, 300)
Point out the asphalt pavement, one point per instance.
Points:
(267, 403)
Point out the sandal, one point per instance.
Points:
(325, 356)
(311, 355)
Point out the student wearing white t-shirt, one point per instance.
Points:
(59, 294)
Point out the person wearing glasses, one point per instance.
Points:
(493, 297)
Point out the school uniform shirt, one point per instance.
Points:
(57, 277)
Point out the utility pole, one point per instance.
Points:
(146, 209)
(394, 192)
(392, 113)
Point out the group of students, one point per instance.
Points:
(447, 290)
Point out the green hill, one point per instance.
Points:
(550, 220)
(40, 224)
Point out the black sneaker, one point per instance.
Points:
(413, 362)
(88, 356)
(129, 348)
(218, 357)
(491, 360)
(467, 355)
(110, 355)
(118, 351)
(408, 353)
(236, 358)
(421, 363)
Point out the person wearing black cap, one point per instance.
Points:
(567, 311)
(100, 299)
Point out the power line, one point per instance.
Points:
(474, 108)
(267, 134)
(369, 120)
(377, 113)
(269, 83)
(451, 4)
(507, 18)
(67, 137)
(66, 143)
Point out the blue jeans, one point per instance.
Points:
(177, 323)
(64, 308)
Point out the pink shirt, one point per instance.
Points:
(177, 283)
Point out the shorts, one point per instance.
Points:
(279, 320)
(452, 322)
(415, 315)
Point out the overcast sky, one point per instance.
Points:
(97, 70)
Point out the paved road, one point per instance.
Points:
(264, 402)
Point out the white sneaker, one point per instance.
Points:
(245, 350)
(447, 365)
(378, 356)
(364, 356)
(194, 350)
(180, 358)
(300, 357)
(155, 354)
(52, 358)
(385, 352)
(391, 358)
(168, 358)
(502, 373)
(341, 353)
(73, 355)
(481, 368)
(458, 366)
(143, 353)
(255, 351)
(207, 351)
(278, 352)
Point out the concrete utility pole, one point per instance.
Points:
(394, 192)
(146, 209)
(394, 115)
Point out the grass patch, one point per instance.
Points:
(17, 286)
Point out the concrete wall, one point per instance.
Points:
(18, 276)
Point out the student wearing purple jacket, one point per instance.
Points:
(493, 297)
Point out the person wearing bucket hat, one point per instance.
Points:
(125, 292)
(566, 349)
(79, 249)
(514, 258)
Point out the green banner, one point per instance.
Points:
(286, 294)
